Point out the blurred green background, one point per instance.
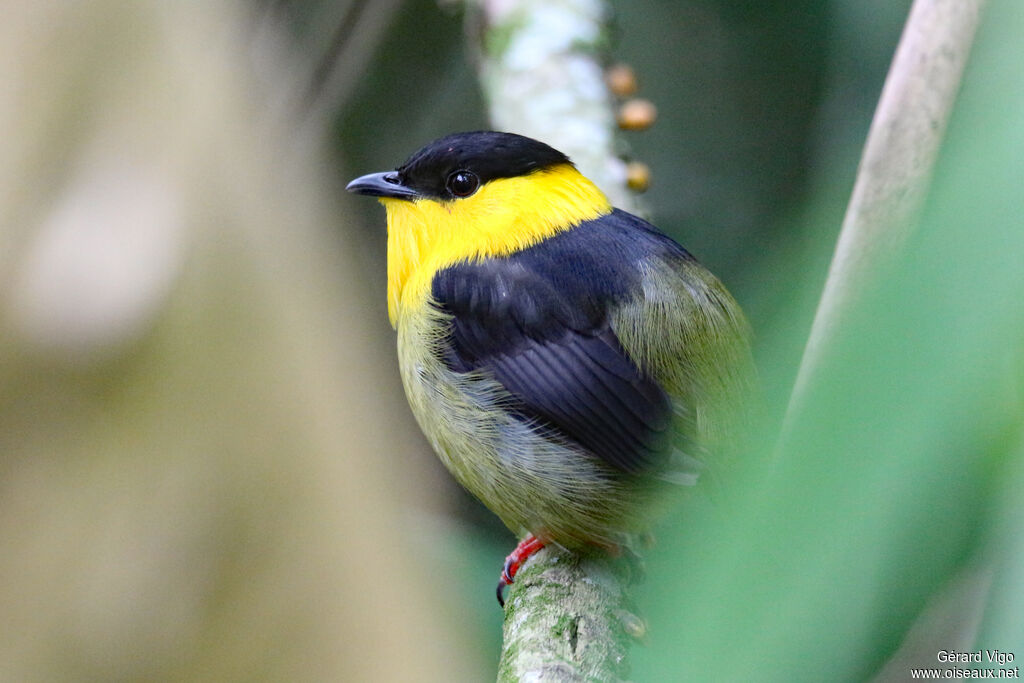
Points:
(218, 479)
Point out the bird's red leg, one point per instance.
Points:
(527, 547)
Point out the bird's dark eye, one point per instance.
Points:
(462, 183)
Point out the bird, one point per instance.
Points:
(567, 361)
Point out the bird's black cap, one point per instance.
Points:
(487, 155)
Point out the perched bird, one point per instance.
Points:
(563, 357)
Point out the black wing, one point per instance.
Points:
(537, 321)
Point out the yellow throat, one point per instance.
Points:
(504, 216)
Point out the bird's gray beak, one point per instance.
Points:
(386, 184)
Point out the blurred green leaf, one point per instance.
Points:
(896, 476)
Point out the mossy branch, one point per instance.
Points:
(895, 168)
(541, 74)
(567, 618)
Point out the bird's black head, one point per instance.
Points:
(457, 165)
